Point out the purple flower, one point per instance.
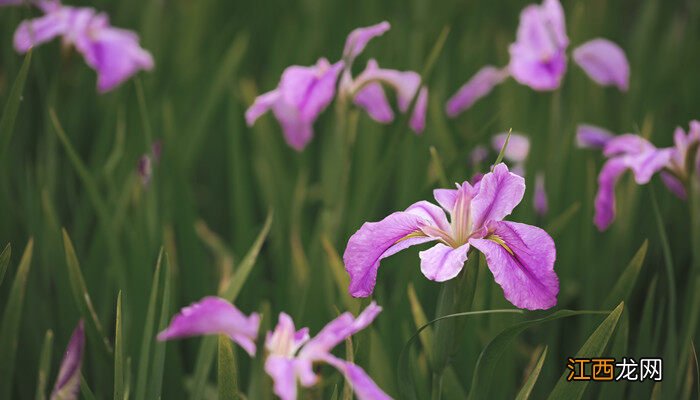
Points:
(625, 152)
(214, 316)
(114, 53)
(604, 62)
(521, 257)
(68, 381)
(478, 156)
(538, 58)
(357, 40)
(303, 93)
(592, 137)
(539, 200)
(292, 353)
(516, 152)
(680, 167)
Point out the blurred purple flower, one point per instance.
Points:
(292, 353)
(540, 203)
(680, 167)
(592, 137)
(357, 40)
(214, 316)
(68, 381)
(538, 58)
(115, 54)
(521, 257)
(478, 156)
(516, 152)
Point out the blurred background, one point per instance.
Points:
(217, 179)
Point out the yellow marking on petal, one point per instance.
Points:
(414, 234)
(500, 241)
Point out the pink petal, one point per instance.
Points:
(525, 269)
(604, 62)
(674, 185)
(375, 241)
(357, 40)
(417, 122)
(441, 263)
(446, 198)
(297, 131)
(310, 89)
(40, 30)
(605, 198)
(285, 340)
(592, 137)
(499, 193)
(431, 213)
(539, 201)
(214, 316)
(261, 105)
(68, 381)
(518, 146)
(283, 372)
(373, 100)
(363, 386)
(477, 87)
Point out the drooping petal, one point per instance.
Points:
(441, 263)
(214, 315)
(417, 121)
(605, 198)
(592, 137)
(477, 87)
(375, 241)
(40, 30)
(261, 105)
(67, 383)
(645, 165)
(627, 143)
(283, 373)
(297, 131)
(373, 100)
(357, 40)
(539, 201)
(674, 185)
(336, 331)
(499, 192)
(310, 89)
(521, 258)
(518, 146)
(604, 62)
(363, 386)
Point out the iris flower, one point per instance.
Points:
(521, 257)
(114, 53)
(539, 200)
(67, 383)
(292, 353)
(631, 152)
(538, 58)
(303, 93)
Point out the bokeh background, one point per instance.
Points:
(218, 179)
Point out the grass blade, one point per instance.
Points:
(9, 113)
(44, 366)
(624, 285)
(118, 353)
(227, 371)
(555, 227)
(156, 378)
(594, 347)
(9, 330)
(526, 390)
(85, 389)
(503, 149)
(5, 261)
(81, 295)
(419, 318)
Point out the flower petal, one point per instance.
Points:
(446, 198)
(68, 381)
(214, 315)
(499, 192)
(477, 87)
(441, 263)
(40, 30)
(417, 121)
(518, 146)
(357, 39)
(674, 185)
(373, 100)
(521, 258)
(592, 137)
(431, 213)
(261, 105)
(297, 131)
(310, 89)
(283, 373)
(285, 340)
(375, 241)
(344, 326)
(605, 198)
(363, 386)
(539, 201)
(604, 62)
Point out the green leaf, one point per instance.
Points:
(227, 371)
(503, 149)
(156, 377)
(594, 347)
(85, 389)
(207, 349)
(419, 319)
(148, 336)
(44, 366)
(439, 168)
(9, 329)
(9, 113)
(489, 358)
(81, 295)
(624, 285)
(5, 261)
(118, 353)
(526, 390)
(560, 222)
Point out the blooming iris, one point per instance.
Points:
(303, 93)
(114, 53)
(68, 381)
(521, 257)
(292, 353)
(632, 152)
(538, 58)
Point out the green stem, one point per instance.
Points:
(437, 387)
